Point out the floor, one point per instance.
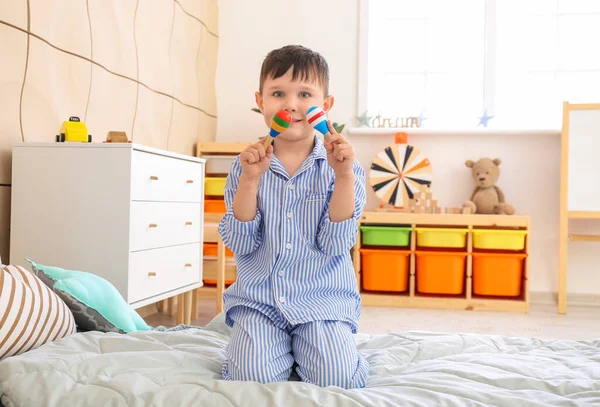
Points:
(543, 321)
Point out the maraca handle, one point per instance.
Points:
(268, 141)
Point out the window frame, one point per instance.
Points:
(489, 52)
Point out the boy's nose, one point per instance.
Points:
(291, 104)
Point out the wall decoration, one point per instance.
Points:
(422, 118)
(389, 122)
(395, 122)
(397, 173)
(364, 120)
(483, 120)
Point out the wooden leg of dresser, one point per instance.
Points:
(160, 306)
(220, 274)
(187, 309)
(194, 294)
(180, 308)
(171, 306)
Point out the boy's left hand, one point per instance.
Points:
(340, 153)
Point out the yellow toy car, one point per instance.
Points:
(74, 130)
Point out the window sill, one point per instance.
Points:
(370, 131)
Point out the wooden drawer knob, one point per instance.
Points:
(188, 264)
(153, 225)
(151, 274)
(154, 177)
(188, 223)
(189, 181)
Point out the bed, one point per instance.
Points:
(181, 367)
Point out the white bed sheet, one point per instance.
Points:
(182, 368)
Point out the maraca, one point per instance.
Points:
(279, 123)
(318, 119)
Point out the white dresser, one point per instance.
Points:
(128, 213)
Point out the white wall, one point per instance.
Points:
(530, 168)
(248, 30)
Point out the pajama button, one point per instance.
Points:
(281, 299)
(289, 215)
(280, 273)
(291, 186)
(288, 246)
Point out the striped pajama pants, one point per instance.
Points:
(263, 351)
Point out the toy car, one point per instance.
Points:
(74, 130)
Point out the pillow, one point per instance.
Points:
(95, 303)
(30, 313)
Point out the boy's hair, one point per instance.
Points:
(308, 65)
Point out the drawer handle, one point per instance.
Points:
(152, 225)
(152, 273)
(154, 177)
(188, 264)
(189, 181)
(188, 223)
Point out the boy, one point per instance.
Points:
(291, 221)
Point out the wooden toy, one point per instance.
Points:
(117, 137)
(74, 130)
(318, 119)
(279, 123)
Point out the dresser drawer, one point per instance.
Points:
(158, 178)
(152, 272)
(159, 224)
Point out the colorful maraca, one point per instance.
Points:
(279, 123)
(318, 119)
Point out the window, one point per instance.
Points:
(452, 60)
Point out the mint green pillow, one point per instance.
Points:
(95, 303)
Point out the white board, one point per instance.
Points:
(584, 160)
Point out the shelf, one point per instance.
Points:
(583, 215)
(443, 219)
(384, 131)
(467, 299)
(473, 304)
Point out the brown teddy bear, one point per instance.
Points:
(487, 198)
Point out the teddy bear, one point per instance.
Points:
(487, 197)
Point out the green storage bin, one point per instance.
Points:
(385, 235)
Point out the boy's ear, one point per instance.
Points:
(259, 101)
(328, 104)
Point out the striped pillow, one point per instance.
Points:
(31, 314)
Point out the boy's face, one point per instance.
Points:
(296, 97)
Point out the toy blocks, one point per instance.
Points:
(423, 202)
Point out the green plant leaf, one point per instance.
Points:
(254, 109)
(339, 127)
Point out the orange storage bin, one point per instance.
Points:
(210, 249)
(498, 274)
(440, 272)
(384, 270)
(214, 206)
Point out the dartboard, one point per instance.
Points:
(398, 172)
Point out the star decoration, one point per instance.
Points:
(421, 119)
(483, 120)
(364, 120)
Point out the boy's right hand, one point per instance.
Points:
(256, 160)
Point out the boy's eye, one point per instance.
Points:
(278, 94)
(304, 94)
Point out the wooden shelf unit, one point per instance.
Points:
(220, 267)
(467, 301)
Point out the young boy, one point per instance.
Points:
(291, 221)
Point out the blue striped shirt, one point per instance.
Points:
(291, 259)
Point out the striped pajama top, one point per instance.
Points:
(292, 261)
